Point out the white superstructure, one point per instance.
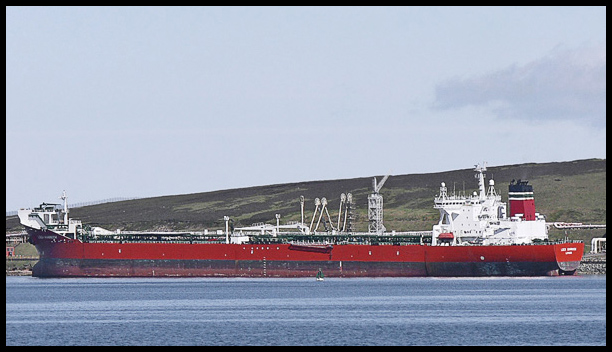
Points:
(482, 218)
(52, 217)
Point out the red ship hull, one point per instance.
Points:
(64, 257)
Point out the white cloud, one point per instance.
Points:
(564, 85)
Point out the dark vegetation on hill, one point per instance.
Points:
(573, 191)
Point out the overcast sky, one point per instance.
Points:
(150, 101)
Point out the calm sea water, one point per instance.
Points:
(373, 311)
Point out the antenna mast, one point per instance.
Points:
(375, 207)
(64, 198)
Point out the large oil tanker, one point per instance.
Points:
(475, 236)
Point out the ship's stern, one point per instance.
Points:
(569, 256)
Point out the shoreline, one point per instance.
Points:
(19, 273)
(592, 264)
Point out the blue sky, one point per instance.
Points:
(110, 102)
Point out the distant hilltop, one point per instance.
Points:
(572, 191)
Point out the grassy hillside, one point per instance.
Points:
(564, 191)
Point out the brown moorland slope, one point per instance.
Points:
(572, 191)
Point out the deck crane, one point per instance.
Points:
(347, 226)
(375, 207)
(317, 203)
(302, 208)
(329, 221)
(342, 200)
(324, 208)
